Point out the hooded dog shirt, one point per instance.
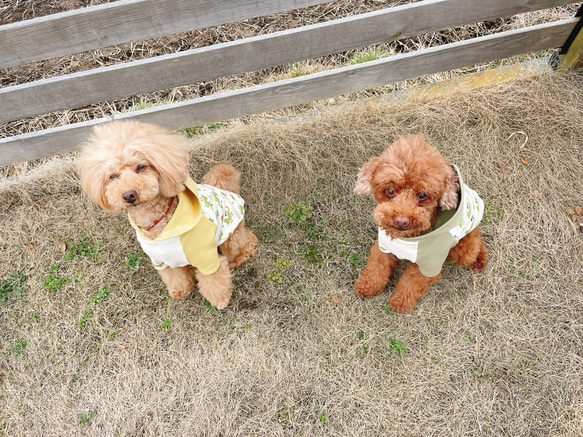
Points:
(429, 250)
(203, 220)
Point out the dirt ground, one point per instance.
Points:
(93, 346)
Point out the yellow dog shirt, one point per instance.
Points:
(205, 218)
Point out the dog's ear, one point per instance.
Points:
(168, 154)
(92, 178)
(449, 199)
(363, 185)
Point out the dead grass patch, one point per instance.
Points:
(93, 346)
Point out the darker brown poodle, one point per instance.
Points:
(425, 213)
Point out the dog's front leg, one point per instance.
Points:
(179, 280)
(411, 286)
(218, 286)
(376, 274)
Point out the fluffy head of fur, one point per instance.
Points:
(412, 182)
(127, 163)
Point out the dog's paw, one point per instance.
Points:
(220, 304)
(364, 288)
(480, 262)
(402, 303)
(177, 293)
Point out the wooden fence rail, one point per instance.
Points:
(245, 55)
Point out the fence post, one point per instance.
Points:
(571, 54)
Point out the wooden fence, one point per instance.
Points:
(132, 20)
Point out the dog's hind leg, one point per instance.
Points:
(240, 246)
(470, 252)
(218, 286)
(376, 274)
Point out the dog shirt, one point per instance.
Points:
(429, 250)
(204, 219)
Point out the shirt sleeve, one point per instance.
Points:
(432, 254)
(200, 247)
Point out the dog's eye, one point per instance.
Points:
(113, 176)
(422, 196)
(141, 167)
(390, 192)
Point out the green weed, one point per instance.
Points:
(83, 321)
(315, 232)
(286, 416)
(301, 69)
(522, 277)
(362, 350)
(397, 347)
(19, 348)
(367, 55)
(84, 249)
(133, 260)
(195, 131)
(355, 258)
(361, 335)
(312, 254)
(275, 275)
(269, 233)
(51, 282)
(102, 294)
(13, 285)
(492, 213)
(298, 212)
(209, 306)
(166, 324)
(85, 418)
(388, 310)
(322, 418)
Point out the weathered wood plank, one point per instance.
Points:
(124, 21)
(302, 89)
(193, 66)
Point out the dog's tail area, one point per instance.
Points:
(225, 177)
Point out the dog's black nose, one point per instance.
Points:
(130, 196)
(402, 222)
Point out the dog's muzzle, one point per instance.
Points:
(130, 197)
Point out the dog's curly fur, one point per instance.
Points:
(139, 167)
(411, 182)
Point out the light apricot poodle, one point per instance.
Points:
(190, 231)
(425, 213)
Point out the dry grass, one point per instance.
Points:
(493, 354)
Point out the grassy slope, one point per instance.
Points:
(105, 352)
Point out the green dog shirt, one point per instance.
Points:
(429, 250)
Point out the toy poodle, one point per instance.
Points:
(190, 231)
(424, 213)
